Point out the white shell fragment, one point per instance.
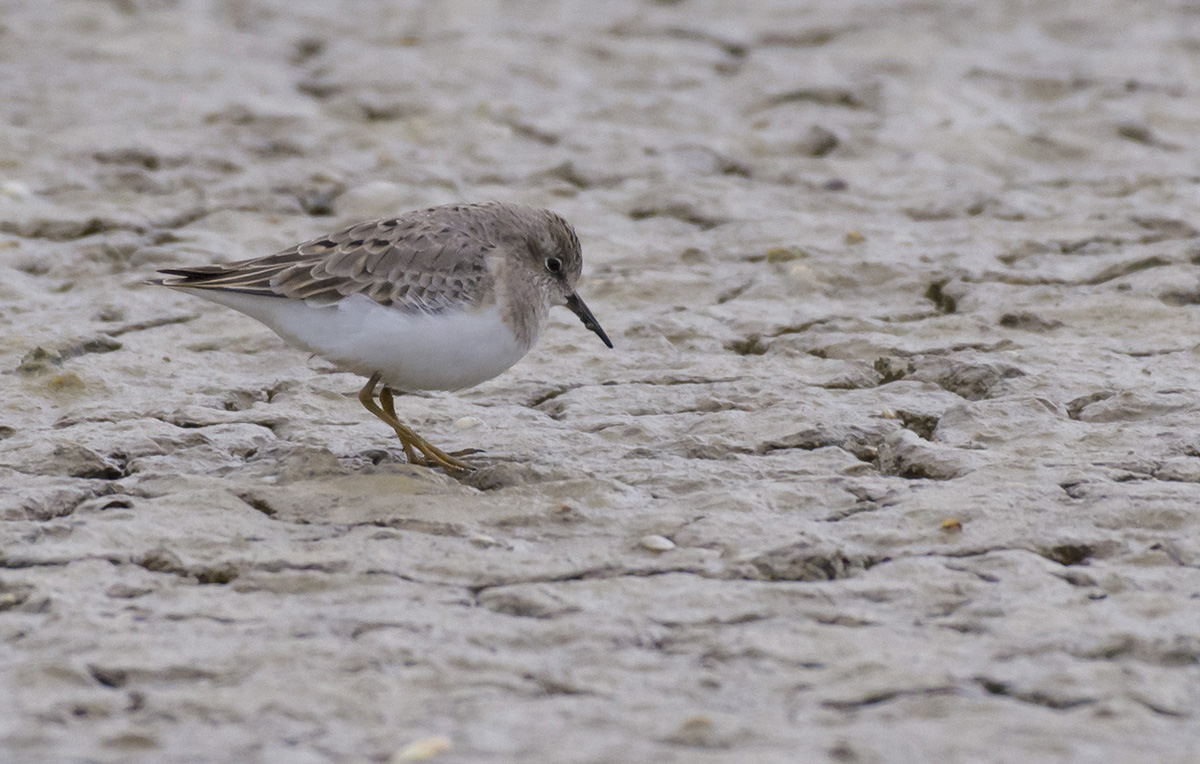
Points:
(657, 543)
(423, 749)
(483, 541)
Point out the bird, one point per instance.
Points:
(441, 298)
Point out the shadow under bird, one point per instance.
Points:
(436, 299)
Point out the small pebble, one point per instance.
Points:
(695, 732)
(785, 254)
(568, 514)
(15, 190)
(68, 380)
(483, 541)
(468, 423)
(423, 749)
(656, 543)
(110, 313)
(801, 270)
(39, 359)
(952, 525)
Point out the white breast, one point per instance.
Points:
(444, 351)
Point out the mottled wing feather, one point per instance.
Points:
(425, 261)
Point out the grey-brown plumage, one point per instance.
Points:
(441, 270)
(424, 260)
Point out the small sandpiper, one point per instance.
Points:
(436, 299)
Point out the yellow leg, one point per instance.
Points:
(389, 407)
(430, 455)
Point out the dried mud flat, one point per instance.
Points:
(897, 459)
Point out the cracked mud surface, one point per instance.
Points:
(897, 459)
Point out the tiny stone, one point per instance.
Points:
(952, 525)
(1136, 132)
(483, 541)
(160, 560)
(68, 380)
(110, 313)
(860, 468)
(423, 749)
(656, 543)
(568, 514)
(127, 592)
(784, 254)
(817, 142)
(15, 190)
(695, 732)
(9, 600)
(468, 423)
(37, 360)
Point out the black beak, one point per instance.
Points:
(578, 307)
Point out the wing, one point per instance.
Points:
(427, 261)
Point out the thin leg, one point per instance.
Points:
(389, 408)
(366, 397)
(430, 451)
(385, 397)
(410, 440)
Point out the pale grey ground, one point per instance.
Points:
(870, 267)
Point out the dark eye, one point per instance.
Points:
(553, 264)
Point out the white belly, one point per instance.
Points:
(444, 351)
